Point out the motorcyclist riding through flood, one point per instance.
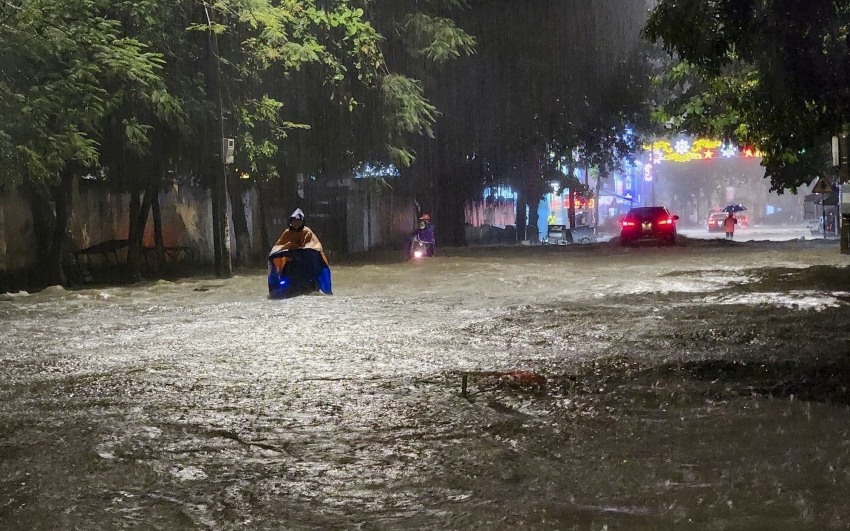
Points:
(297, 262)
(421, 243)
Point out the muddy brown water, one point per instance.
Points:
(701, 387)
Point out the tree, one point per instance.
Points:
(505, 107)
(771, 74)
(133, 91)
(66, 67)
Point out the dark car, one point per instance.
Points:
(648, 223)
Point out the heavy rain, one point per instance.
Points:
(463, 265)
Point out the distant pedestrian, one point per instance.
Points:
(551, 220)
(729, 223)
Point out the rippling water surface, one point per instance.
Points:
(691, 387)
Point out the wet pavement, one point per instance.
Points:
(699, 387)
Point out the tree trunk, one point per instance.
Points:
(138, 221)
(50, 228)
(240, 221)
(264, 227)
(221, 228)
(596, 198)
(132, 230)
(43, 221)
(535, 194)
(571, 211)
(157, 232)
(521, 219)
(58, 246)
(215, 205)
(133, 250)
(456, 217)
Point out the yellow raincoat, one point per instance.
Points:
(297, 239)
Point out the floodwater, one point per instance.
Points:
(699, 387)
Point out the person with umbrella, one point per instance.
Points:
(730, 221)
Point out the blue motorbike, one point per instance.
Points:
(298, 271)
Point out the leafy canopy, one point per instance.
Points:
(65, 66)
(773, 74)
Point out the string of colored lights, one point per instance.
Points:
(686, 151)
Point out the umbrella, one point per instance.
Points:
(734, 208)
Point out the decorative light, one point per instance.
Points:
(749, 153)
(647, 173)
(683, 150)
(729, 150)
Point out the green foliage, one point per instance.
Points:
(437, 38)
(407, 109)
(97, 81)
(770, 74)
(66, 67)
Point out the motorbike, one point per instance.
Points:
(420, 249)
(295, 272)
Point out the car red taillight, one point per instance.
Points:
(628, 223)
(665, 221)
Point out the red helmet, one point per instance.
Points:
(426, 217)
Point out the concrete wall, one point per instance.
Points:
(376, 220)
(98, 215)
(348, 217)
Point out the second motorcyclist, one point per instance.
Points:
(423, 237)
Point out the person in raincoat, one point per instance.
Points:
(297, 261)
(551, 220)
(297, 235)
(425, 233)
(729, 224)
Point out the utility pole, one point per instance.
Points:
(842, 146)
(218, 164)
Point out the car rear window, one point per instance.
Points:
(648, 212)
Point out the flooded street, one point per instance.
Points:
(704, 387)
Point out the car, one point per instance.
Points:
(650, 223)
(743, 221)
(715, 221)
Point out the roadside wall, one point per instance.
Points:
(378, 220)
(98, 215)
(349, 216)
